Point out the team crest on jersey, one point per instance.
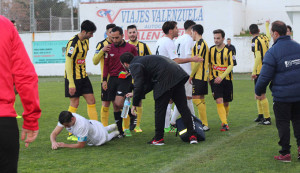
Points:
(97, 51)
(71, 50)
(174, 51)
(253, 44)
(112, 54)
(199, 46)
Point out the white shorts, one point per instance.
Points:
(188, 89)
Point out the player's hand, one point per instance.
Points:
(29, 136)
(218, 80)
(106, 48)
(268, 21)
(72, 91)
(129, 94)
(253, 77)
(197, 59)
(54, 145)
(104, 85)
(191, 80)
(61, 144)
(258, 97)
(133, 110)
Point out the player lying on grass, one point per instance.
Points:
(89, 132)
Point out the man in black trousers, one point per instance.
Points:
(166, 78)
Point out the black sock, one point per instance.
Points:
(119, 121)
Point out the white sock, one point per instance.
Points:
(191, 106)
(168, 116)
(112, 135)
(175, 115)
(111, 127)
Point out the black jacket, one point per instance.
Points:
(154, 72)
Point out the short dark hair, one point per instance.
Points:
(219, 31)
(279, 27)
(126, 57)
(168, 25)
(112, 25)
(228, 38)
(131, 27)
(253, 28)
(198, 28)
(117, 28)
(88, 26)
(290, 28)
(188, 24)
(65, 117)
(13, 21)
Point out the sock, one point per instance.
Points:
(174, 116)
(200, 103)
(92, 112)
(222, 113)
(259, 107)
(227, 110)
(139, 115)
(72, 109)
(168, 116)
(126, 122)
(118, 121)
(191, 106)
(104, 115)
(265, 107)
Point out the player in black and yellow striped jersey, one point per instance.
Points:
(101, 49)
(200, 73)
(143, 50)
(77, 82)
(260, 45)
(221, 65)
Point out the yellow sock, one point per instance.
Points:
(72, 109)
(265, 107)
(139, 115)
(259, 108)
(104, 115)
(227, 110)
(126, 122)
(222, 113)
(92, 112)
(200, 103)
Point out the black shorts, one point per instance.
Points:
(255, 81)
(118, 87)
(200, 87)
(104, 94)
(83, 86)
(223, 90)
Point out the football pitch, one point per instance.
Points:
(246, 147)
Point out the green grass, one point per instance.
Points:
(247, 147)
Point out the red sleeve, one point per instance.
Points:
(26, 82)
(106, 66)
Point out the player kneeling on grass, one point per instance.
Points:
(91, 132)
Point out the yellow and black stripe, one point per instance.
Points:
(219, 61)
(261, 44)
(141, 47)
(201, 50)
(99, 54)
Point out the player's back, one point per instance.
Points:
(184, 45)
(166, 47)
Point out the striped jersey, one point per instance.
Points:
(261, 44)
(201, 50)
(141, 47)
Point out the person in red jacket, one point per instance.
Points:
(16, 68)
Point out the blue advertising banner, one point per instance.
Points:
(49, 52)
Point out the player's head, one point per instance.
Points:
(117, 35)
(109, 27)
(229, 41)
(253, 28)
(126, 59)
(132, 33)
(188, 24)
(197, 30)
(170, 28)
(278, 29)
(289, 30)
(87, 29)
(66, 118)
(14, 22)
(219, 36)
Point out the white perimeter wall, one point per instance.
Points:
(229, 15)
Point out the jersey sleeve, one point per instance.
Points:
(71, 48)
(99, 54)
(230, 66)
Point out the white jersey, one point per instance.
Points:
(166, 47)
(184, 45)
(90, 131)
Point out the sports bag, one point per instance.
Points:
(182, 130)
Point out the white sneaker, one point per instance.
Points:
(206, 128)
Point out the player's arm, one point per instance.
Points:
(256, 63)
(219, 79)
(105, 72)
(99, 54)
(268, 30)
(196, 64)
(78, 145)
(137, 71)
(71, 49)
(53, 136)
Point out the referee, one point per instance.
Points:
(77, 82)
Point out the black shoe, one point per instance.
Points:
(265, 121)
(259, 118)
